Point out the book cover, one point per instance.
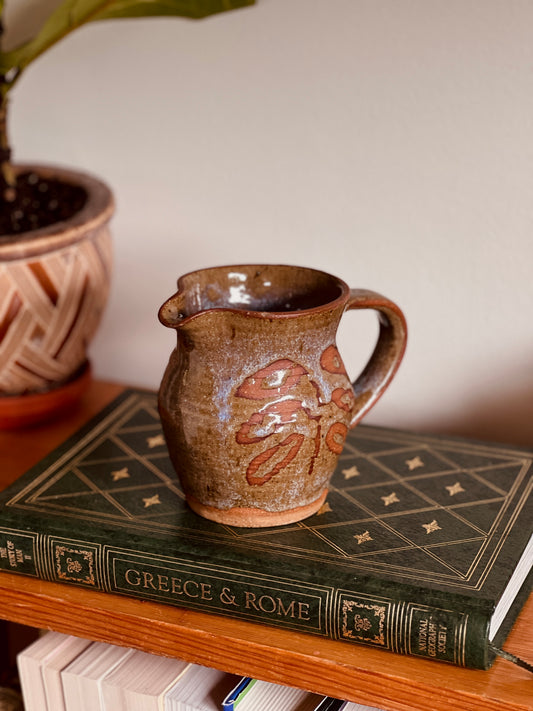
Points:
(237, 693)
(257, 695)
(411, 552)
(331, 704)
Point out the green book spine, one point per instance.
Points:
(105, 511)
(384, 621)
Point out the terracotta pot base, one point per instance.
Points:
(17, 411)
(256, 518)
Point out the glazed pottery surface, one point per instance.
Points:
(54, 286)
(255, 402)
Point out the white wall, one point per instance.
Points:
(389, 142)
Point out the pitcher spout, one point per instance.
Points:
(173, 312)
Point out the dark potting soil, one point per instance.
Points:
(39, 202)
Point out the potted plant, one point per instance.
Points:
(55, 253)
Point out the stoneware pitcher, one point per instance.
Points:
(255, 402)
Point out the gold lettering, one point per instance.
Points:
(275, 605)
(164, 583)
(423, 636)
(176, 586)
(148, 580)
(303, 611)
(250, 601)
(285, 612)
(11, 554)
(269, 601)
(186, 588)
(441, 639)
(227, 597)
(136, 577)
(205, 590)
(432, 639)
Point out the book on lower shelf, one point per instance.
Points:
(424, 545)
(255, 695)
(64, 673)
(40, 667)
(82, 677)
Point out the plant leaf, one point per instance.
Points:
(72, 14)
(195, 9)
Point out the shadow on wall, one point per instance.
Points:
(504, 413)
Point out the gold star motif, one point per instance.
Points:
(390, 499)
(414, 463)
(151, 501)
(351, 472)
(155, 441)
(431, 527)
(120, 474)
(455, 489)
(363, 537)
(325, 508)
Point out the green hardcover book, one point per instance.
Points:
(423, 547)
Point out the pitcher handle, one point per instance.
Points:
(387, 354)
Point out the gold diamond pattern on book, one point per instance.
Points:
(416, 508)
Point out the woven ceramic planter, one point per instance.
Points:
(54, 285)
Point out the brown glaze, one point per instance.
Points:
(255, 401)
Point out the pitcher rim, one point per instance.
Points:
(257, 313)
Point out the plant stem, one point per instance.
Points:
(7, 174)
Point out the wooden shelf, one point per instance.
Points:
(382, 679)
